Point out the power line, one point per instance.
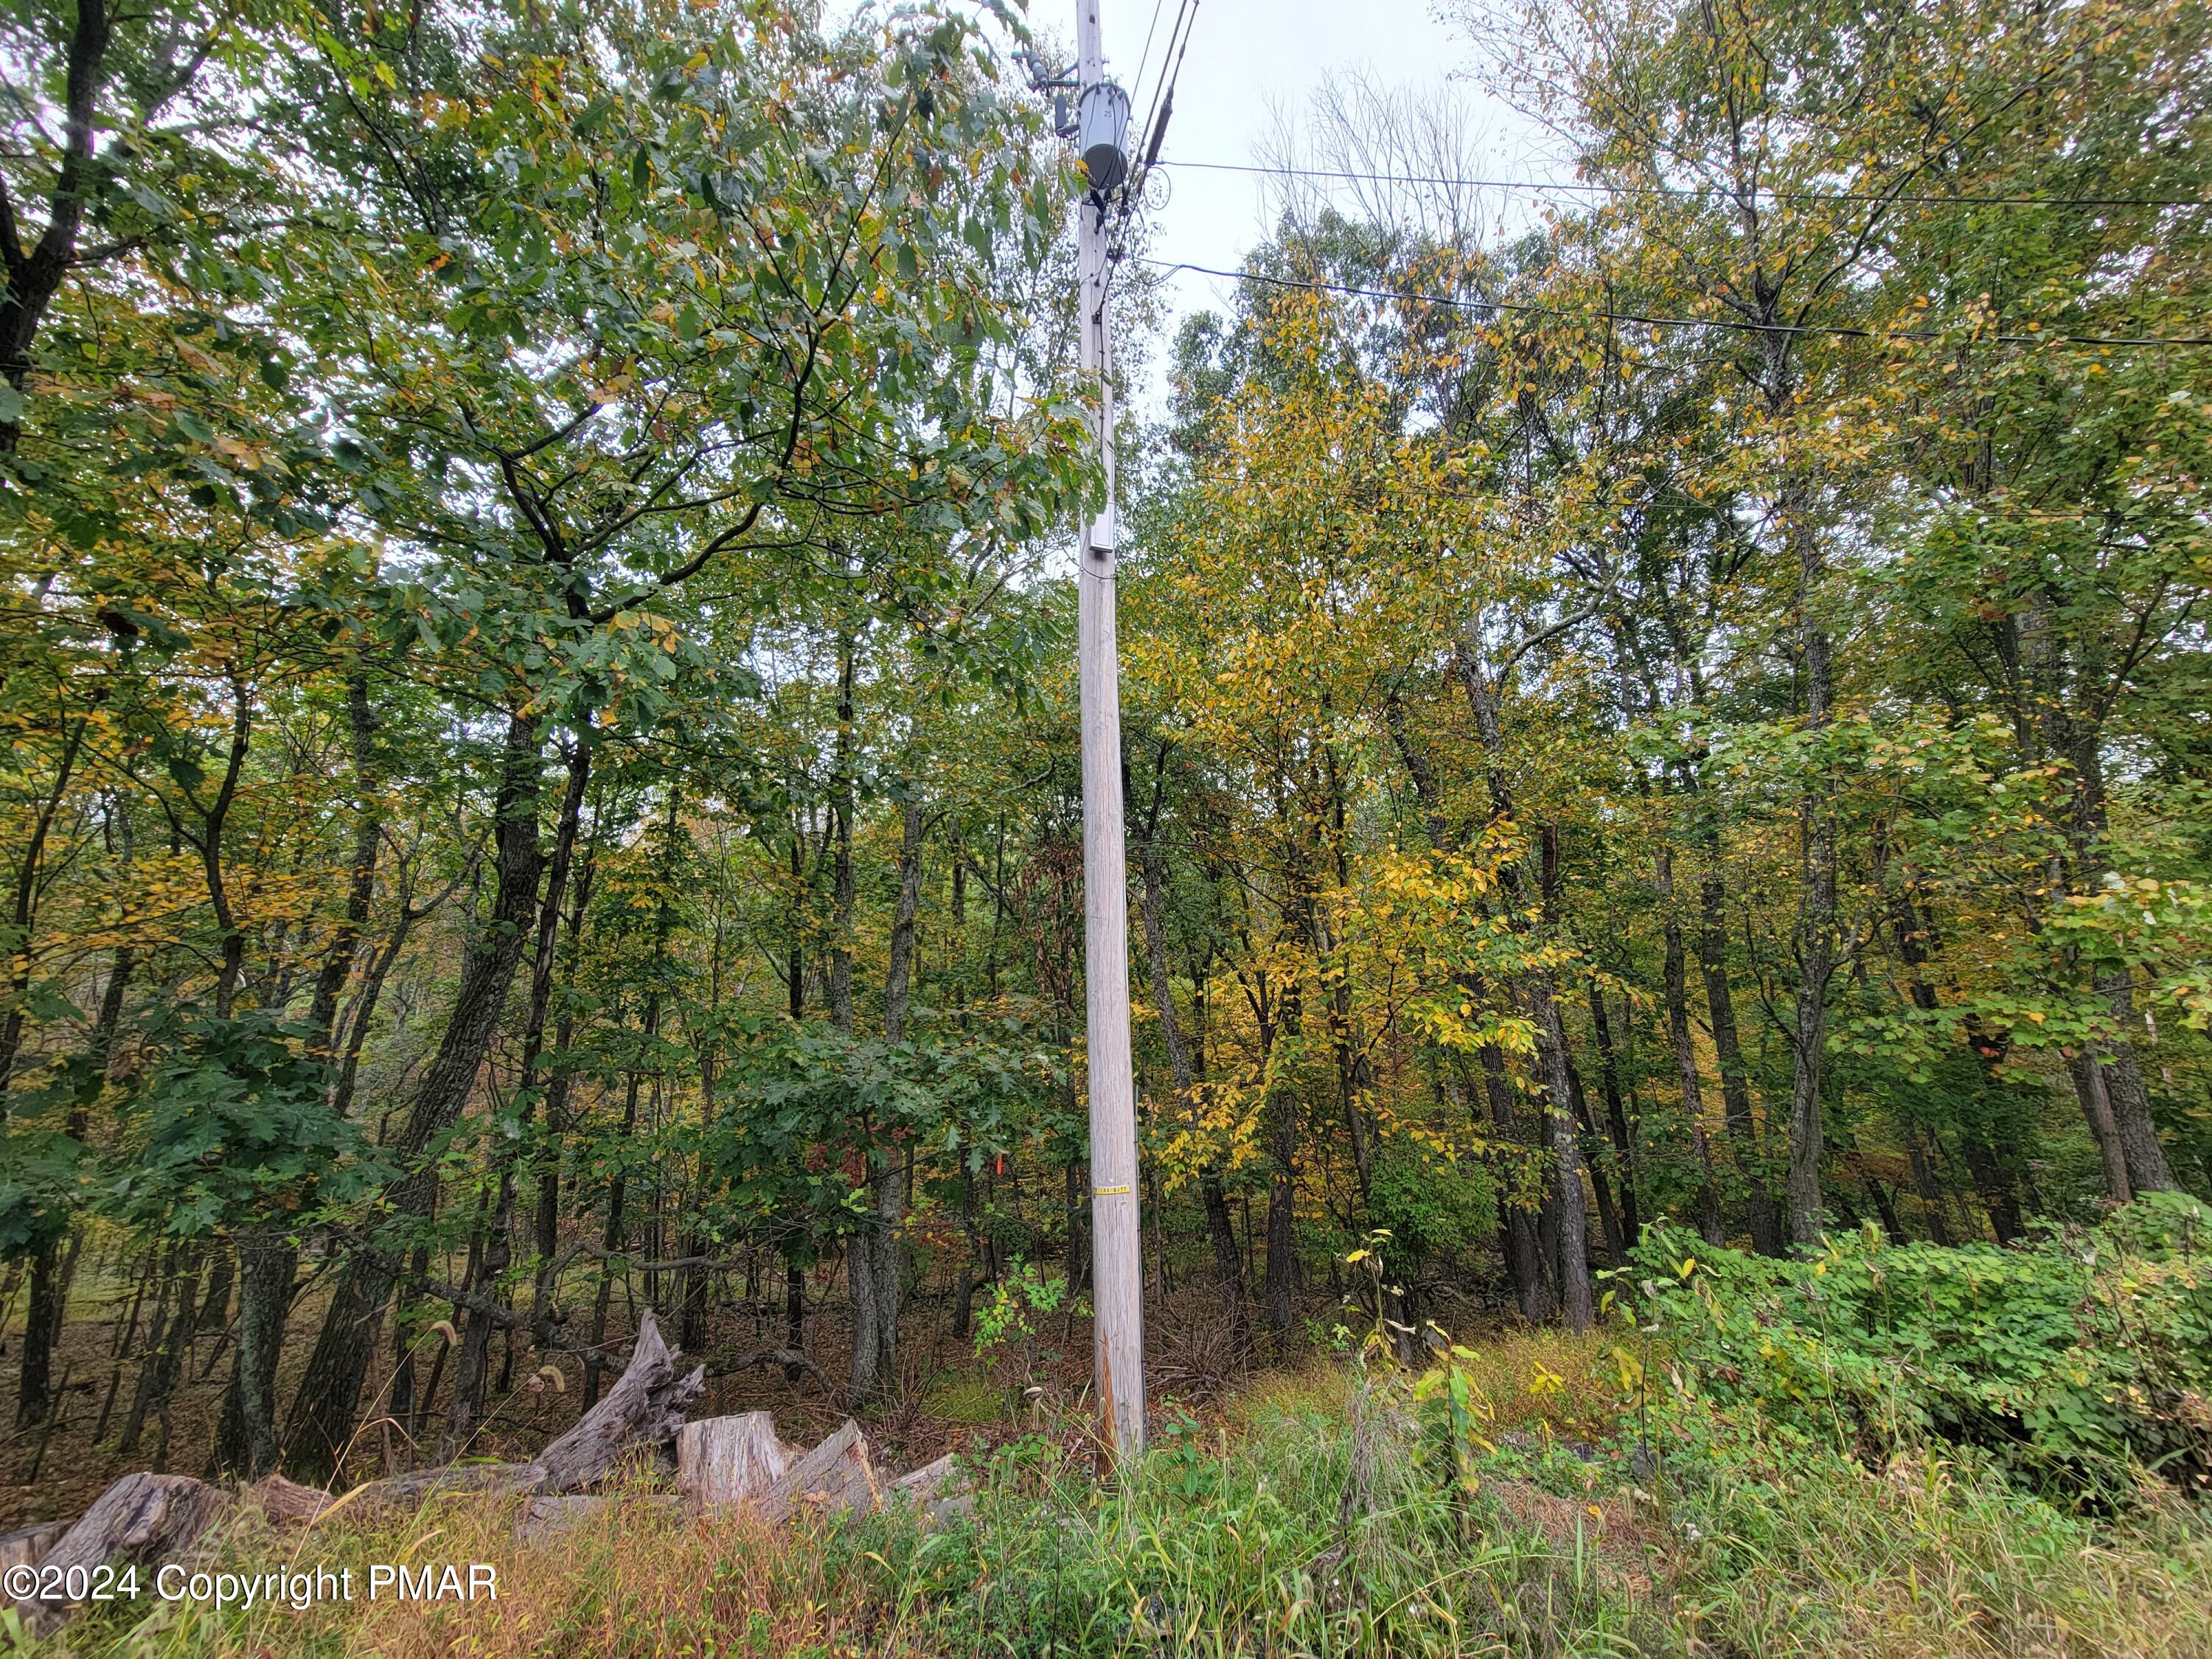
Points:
(2037, 336)
(1163, 104)
(1869, 197)
(1136, 84)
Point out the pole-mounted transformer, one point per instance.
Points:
(1102, 133)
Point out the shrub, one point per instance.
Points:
(2083, 1360)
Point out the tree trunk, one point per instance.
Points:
(841, 811)
(2123, 1078)
(613, 1240)
(1228, 1261)
(877, 1267)
(1576, 1302)
(50, 1273)
(963, 1290)
(24, 910)
(170, 1331)
(361, 885)
(1616, 1113)
(2113, 1095)
(42, 1317)
(794, 1312)
(1924, 1184)
(560, 1076)
(326, 1408)
(1538, 992)
(1280, 1113)
(1685, 1060)
(245, 1442)
(1760, 1218)
(2089, 1084)
(1609, 1221)
(472, 1365)
(1991, 1179)
(1516, 1228)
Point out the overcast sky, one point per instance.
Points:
(1247, 60)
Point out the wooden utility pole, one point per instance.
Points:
(1118, 1343)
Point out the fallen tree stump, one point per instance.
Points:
(644, 1407)
(26, 1546)
(835, 1478)
(942, 1490)
(139, 1518)
(720, 1461)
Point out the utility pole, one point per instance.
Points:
(1118, 1339)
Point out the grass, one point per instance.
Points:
(1237, 1537)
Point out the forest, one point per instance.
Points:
(1669, 809)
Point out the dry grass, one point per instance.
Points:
(655, 1581)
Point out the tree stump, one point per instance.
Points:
(644, 1407)
(833, 1478)
(138, 1518)
(731, 1459)
(26, 1546)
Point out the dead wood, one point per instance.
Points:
(731, 1459)
(287, 1502)
(140, 1518)
(644, 1407)
(835, 1477)
(942, 1490)
(26, 1546)
(642, 1412)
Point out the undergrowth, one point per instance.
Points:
(1732, 1476)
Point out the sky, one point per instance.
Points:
(1248, 63)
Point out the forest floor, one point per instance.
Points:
(1300, 1510)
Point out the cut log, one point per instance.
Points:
(932, 1480)
(138, 1518)
(835, 1477)
(408, 1491)
(941, 1491)
(287, 1502)
(731, 1459)
(644, 1407)
(549, 1517)
(26, 1546)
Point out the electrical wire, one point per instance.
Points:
(1137, 83)
(1182, 51)
(1867, 197)
(2037, 336)
(1186, 19)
